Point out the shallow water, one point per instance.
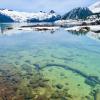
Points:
(49, 66)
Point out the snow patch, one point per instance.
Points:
(95, 8)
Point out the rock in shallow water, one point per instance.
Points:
(59, 86)
(92, 80)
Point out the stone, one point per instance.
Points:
(59, 86)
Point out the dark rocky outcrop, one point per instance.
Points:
(4, 18)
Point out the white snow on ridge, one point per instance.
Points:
(23, 16)
(95, 8)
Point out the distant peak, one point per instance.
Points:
(52, 11)
(78, 13)
(6, 9)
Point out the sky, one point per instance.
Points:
(59, 6)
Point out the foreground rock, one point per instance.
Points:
(93, 28)
(82, 29)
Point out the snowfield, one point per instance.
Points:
(95, 8)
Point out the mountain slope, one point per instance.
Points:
(50, 19)
(4, 18)
(78, 13)
(95, 8)
(25, 16)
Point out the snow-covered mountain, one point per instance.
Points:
(78, 13)
(26, 16)
(95, 8)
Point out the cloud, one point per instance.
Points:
(44, 5)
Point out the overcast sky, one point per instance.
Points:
(60, 6)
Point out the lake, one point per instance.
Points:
(48, 65)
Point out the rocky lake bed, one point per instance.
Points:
(41, 65)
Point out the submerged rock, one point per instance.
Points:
(28, 61)
(62, 74)
(59, 86)
(16, 62)
(92, 80)
(78, 84)
(26, 68)
(96, 94)
(61, 95)
(37, 67)
(26, 92)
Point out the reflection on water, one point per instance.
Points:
(45, 66)
(10, 28)
(78, 33)
(5, 29)
(94, 35)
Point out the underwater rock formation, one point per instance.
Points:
(90, 80)
(59, 86)
(9, 82)
(37, 67)
(96, 94)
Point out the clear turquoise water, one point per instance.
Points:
(49, 66)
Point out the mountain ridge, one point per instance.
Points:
(78, 13)
(26, 16)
